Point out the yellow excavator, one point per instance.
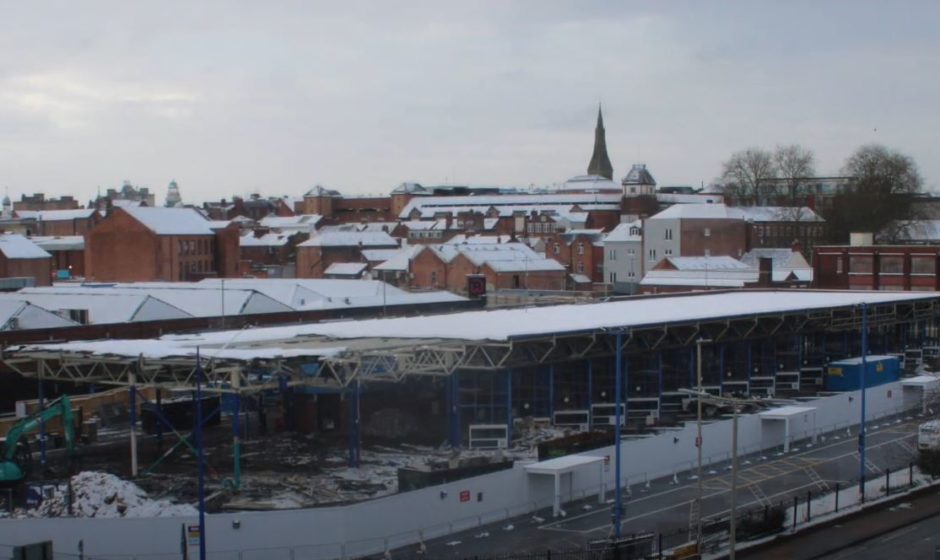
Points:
(16, 458)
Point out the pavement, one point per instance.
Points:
(907, 529)
(665, 505)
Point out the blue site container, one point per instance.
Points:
(846, 375)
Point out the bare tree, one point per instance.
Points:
(745, 176)
(795, 165)
(881, 195)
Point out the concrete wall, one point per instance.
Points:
(368, 527)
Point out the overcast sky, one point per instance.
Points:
(275, 97)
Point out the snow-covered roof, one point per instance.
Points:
(700, 198)
(638, 175)
(777, 214)
(506, 204)
(266, 240)
(505, 324)
(424, 225)
(22, 315)
(914, 230)
(102, 308)
(785, 262)
(15, 246)
(590, 183)
(59, 243)
(696, 212)
(55, 215)
(350, 239)
(320, 190)
(410, 188)
(621, 233)
(345, 269)
(580, 278)
(171, 221)
(306, 222)
(785, 412)
(707, 263)
(471, 239)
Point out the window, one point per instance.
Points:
(668, 252)
(613, 277)
(613, 255)
(652, 254)
(580, 248)
(839, 265)
(860, 264)
(668, 233)
(708, 253)
(708, 232)
(891, 264)
(631, 251)
(580, 266)
(434, 278)
(923, 265)
(556, 248)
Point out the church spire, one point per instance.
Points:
(600, 163)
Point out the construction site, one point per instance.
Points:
(337, 413)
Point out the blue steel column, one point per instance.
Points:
(509, 408)
(618, 510)
(354, 426)
(453, 411)
(590, 393)
(42, 422)
(200, 461)
(721, 369)
(861, 429)
(551, 394)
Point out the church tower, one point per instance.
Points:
(600, 163)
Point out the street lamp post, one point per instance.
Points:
(735, 403)
(698, 442)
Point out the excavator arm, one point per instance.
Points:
(11, 469)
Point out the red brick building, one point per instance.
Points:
(57, 222)
(580, 251)
(68, 253)
(38, 202)
(337, 209)
(876, 267)
(505, 266)
(140, 244)
(21, 258)
(316, 254)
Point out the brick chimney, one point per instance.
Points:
(765, 274)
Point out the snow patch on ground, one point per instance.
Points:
(98, 494)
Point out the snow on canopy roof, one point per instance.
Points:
(345, 268)
(15, 246)
(171, 221)
(59, 243)
(537, 264)
(165, 348)
(858, 360)
(55, 215)
(505, 324)
(350, 239)
(785, 412)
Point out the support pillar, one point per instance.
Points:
(590, 393)
(159, 414)
(556, 504)
(132, 408)
(508, 408)
(353, 423)
(721, 369)
(452, 396)
(42, 422)
(236, 430)
(551, 394)
(618, 398)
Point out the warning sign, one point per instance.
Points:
(464, 496)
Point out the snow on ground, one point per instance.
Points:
(98, 494)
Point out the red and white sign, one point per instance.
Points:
(464, 496)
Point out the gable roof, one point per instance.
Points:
(170, 221)
(55, 215)
(350, 239)
(15, 246)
